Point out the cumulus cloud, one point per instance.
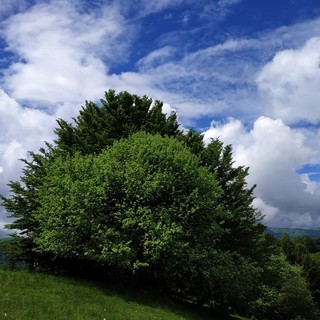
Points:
(62, 52)
(290, 83)
(21, 130)
(267, 210)
(274, 152)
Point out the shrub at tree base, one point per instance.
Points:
(142, 206)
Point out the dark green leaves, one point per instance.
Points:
(120, 115)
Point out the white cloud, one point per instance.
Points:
(156, 57)
(75, 50)
(200, 83)
(274, 152)
(232, 132)
(21, 130)
(268, 211)
(60, 52)
(222, 79)
(311, 186)
(291, 81)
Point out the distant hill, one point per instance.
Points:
(294, 232)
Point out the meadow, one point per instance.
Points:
(40, 296)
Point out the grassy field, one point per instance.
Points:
(39, 296)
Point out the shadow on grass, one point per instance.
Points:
(151, 298)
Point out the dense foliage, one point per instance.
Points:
(119, 116)
(142, 206)
(298, 252)
(124, 190)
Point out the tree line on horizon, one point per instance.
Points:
(124, 192)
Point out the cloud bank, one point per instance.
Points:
(290, 83)
(274, 152)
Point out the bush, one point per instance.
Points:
(142, 207)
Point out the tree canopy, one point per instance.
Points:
(118, 116)
(143, 205)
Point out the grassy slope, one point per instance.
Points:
(39, 296)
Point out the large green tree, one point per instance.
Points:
(95, 128)
(159, 205)
(146, 209)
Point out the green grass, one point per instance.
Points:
(39, 296)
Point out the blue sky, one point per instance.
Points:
(245, 71)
